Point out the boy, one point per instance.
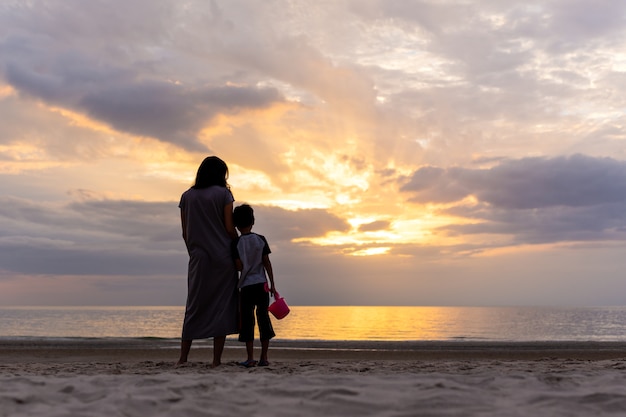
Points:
(251, 254)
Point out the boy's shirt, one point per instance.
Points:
(250, 249)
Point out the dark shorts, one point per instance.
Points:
(251, 297)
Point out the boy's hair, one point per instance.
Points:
(243, 216)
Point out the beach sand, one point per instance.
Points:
(138, 378)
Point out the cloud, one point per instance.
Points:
(118, 82)
(501, 75)
(90, 238)
(526, 183)
(107, 237)
(546, 225)
(375, 226)
(158, 109)
(286, 225)
(535, 200)
(580, 21)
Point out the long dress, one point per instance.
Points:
(212, 303)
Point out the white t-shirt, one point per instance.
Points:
(250, 249)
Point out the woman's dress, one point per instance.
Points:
(212, 299)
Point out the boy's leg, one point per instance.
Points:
(250, 350)
(246, 333)
(265, 344)
(266, 331)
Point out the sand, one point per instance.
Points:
(138, 378)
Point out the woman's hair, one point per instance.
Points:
(212, 171)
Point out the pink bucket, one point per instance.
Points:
(279, 307)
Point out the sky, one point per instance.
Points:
(396, 152)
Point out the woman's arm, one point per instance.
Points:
(228, 221)
(183, 223)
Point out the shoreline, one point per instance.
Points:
(132, 350)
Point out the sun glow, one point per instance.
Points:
(358, 243)
(20, 157)
(6, 91)
(78, 119)
(410, 226)
(383, 250)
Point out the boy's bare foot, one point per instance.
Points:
(215, 364)
(180, 363)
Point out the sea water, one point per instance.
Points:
(349, 323)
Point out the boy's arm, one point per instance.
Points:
(267, 264)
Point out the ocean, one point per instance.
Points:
(327, 323)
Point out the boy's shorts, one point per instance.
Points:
(252, 296)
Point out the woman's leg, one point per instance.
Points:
(218, 348)
(185, 347)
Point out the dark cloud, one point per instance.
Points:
(535, 200)
(91, 238)
(525, 183)
(152, 221)
(438, 185)
(32, 257)
(169, 112)
(120, 66)
(565, 181)
(545, 225)
(159, 109)
(117, 237)
(285, 225)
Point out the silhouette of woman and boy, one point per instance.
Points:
(218, 302)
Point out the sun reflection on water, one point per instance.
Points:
(368, 323)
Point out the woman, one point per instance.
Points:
(208, 230)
